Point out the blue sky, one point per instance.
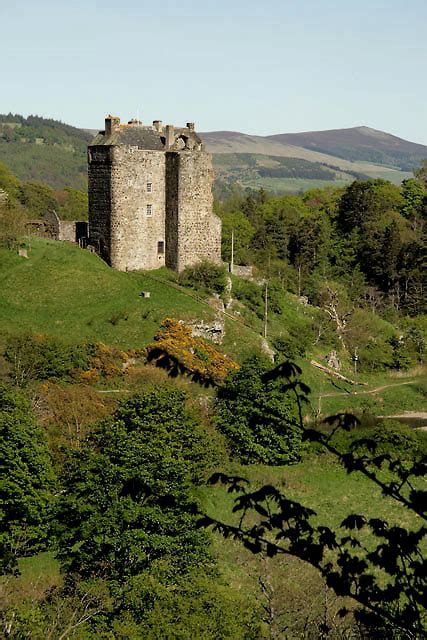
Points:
(262, 67)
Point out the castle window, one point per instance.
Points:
(149, 210)
(149, 187)
(160, 247)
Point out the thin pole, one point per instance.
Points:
(265, 309)
(232, 252)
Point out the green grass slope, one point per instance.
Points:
(70, 293)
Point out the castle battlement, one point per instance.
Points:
(150, 196)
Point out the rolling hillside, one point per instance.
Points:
(359, 144)
(69, 293)
(44, 150)
(359, 152)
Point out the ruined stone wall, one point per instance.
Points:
(99, 192)
(138, 209)
(193, 231)
(67, 231)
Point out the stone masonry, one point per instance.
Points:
(150, 197)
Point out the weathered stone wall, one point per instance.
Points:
(193, 231)
(149, 206)
(171, 221)
(135, 234)
(99, 191)
(67, 231)
(52, 219)
(241, 270)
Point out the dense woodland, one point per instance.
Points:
(33, 199)
(40, 149)
(119, 496)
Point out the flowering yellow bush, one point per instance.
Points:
(175, 349)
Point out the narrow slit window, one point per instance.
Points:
(149, 187)
(149, 210)
(160, 247)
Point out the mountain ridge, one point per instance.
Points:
(46, 150)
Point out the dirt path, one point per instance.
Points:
(363, 393)
(411, 415)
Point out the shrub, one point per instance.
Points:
(39, 357)
(258, 416)
(250, 294)
(288, 347)
(204, 275)
(176, 350)
(401, 359)
(388, 437)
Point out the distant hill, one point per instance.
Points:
(359, 144)
(43, 150)
(359, 152)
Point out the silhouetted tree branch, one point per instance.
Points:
(387, 578)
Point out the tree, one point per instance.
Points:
(12, 223)
(37, 198)
(367, 201)
(421, 174)
(258, 417)
(73, 204)
(28, 483)
(128, 495)
(309, 245)
(9, 183)
(414, 199)
(333, 298)
(237, 224)
(386, 576)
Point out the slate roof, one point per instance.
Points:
(139, 136)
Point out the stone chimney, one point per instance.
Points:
(111, 123)
(170, 135)
(191, 126)
(157, 124)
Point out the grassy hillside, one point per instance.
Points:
(72, 294)
(279, 174)
(69, 293)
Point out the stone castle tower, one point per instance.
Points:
(150, 197)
